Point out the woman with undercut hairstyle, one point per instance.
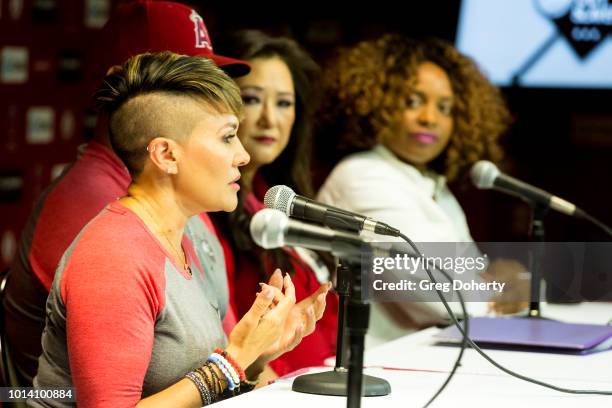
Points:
(133, 316)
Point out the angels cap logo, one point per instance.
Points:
(201, 36)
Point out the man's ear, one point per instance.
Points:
(161, 152)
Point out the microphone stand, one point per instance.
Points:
(343, 288)
(357, 325)
(335, 382)
(537, 236)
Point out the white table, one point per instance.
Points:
(416, 367)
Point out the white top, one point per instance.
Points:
(375, 183)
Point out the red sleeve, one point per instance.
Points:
(95, 179)
(111, 308)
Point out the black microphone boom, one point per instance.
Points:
(486, 175)
(284, 199)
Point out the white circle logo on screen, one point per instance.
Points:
(553, 8)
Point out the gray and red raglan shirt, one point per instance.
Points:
(123, 320)
(87, 186)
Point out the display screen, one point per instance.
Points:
(539, 43)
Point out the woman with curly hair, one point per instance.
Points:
(279, 100)
(419, 114)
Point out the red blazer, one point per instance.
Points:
(244, 275)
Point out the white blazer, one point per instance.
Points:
(377, 184)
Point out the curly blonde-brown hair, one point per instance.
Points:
(368, 84)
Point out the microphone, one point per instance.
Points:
(284, 199)
(271, 228)
(486, 175)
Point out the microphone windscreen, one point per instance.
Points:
(268, 228)
(280, 198)
(484, 173)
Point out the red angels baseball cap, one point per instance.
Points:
(154, 26)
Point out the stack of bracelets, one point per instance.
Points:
(210, 385)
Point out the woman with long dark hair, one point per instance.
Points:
(276, 130)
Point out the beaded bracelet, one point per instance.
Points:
(229, 367)
(212, 395)
(233, 362)
(204, 393)
(216, 377)
(208, 382)
(230, 381)
(230, 370)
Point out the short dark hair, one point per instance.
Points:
(160, 74)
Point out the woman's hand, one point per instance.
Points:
(301, 310)
(263, 327)
(515, 296)
(301, 321)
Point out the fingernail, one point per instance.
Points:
(267, 292)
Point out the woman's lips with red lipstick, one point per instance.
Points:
(425, 138)
(265, 139)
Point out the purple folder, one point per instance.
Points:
(532, 333)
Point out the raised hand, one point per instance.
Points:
(262, 329)
(305, 314)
